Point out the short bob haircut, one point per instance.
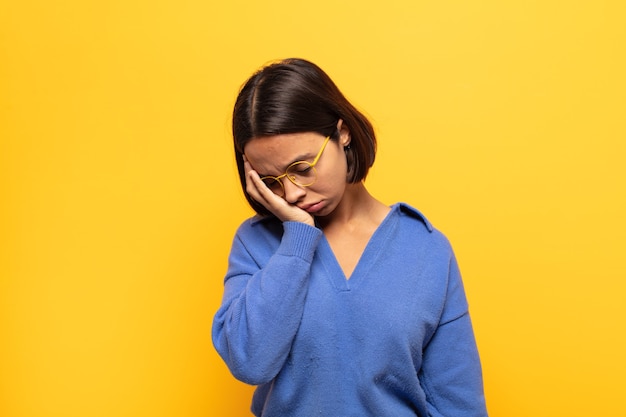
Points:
(296, 96)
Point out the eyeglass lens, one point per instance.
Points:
(301, 173)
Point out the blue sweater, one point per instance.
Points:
(394, 340)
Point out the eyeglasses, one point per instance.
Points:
(301, 173)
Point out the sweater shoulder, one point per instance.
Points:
(414, 220)
(263, 237)
(259, 234)
(411, 212)
(256, 225)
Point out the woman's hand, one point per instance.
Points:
(275, 204)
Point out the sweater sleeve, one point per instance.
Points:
(262, 304)
(451, 373)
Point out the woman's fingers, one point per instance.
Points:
(254, 186)
(275, 204)
(257, 188)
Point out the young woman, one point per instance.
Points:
(334, 303)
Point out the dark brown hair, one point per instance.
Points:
(295, 96)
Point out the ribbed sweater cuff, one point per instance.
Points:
(299, 239)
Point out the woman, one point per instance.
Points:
(334, 303)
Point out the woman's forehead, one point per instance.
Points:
(283, 145)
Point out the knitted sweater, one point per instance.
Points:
(393, 340)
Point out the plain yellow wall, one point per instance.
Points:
(503, 121)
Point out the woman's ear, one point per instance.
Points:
(344, 133)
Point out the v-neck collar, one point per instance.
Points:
(368, 257)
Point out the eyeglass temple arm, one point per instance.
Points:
(319, 154)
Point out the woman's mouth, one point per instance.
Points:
(314, 208)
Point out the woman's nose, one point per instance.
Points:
(293, 192)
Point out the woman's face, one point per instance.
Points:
(271, 155)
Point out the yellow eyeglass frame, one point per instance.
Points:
(291, 176)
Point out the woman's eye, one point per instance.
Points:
(271, 182)
(301, 168)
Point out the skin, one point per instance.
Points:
(347, 213)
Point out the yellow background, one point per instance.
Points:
(503, 121)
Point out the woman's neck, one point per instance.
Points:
(357, 206)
